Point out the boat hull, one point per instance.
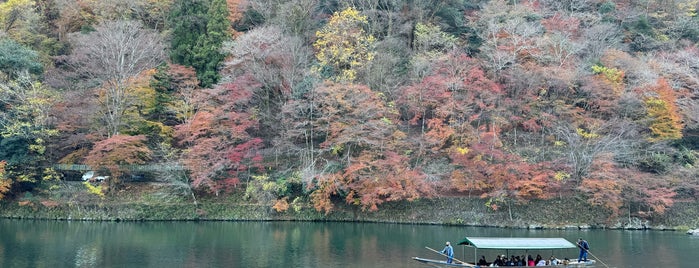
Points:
(442, 263)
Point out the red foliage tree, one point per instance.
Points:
(460, 111)
(604, 185)
(502, 177)
(561, 23)
(218, 148)
(274, 60)
(556, 45)
(611, 186)
(447, 102)
(116, 153)
(648, 195)
(371, 180)
(359, 130)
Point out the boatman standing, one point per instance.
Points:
(449, 251)
(584, 247)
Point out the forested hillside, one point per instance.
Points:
(357, 101)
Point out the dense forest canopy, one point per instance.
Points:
(363, 102)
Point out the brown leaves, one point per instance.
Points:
(603, 192)
(385, 179)
(324, 189)
(352, 115)
(5, 183)
(614, 187)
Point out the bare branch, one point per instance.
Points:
(112, 55)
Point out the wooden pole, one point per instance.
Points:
(593, 255)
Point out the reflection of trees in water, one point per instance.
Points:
(303, 244)
(86, 256)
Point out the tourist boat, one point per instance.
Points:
(507, 244)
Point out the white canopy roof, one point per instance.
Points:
(516, 243)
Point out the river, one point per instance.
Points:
(28, 243)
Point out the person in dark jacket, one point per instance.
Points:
(584, 248)
(483, 262)
(498, 261)
(512, 261)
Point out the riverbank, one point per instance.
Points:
(164, 202)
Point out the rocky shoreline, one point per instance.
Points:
(542, 214)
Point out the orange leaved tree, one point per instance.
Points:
(358, 134)
(666, 122)
(499, 176)
(116, 154)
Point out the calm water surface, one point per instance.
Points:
(25, 243)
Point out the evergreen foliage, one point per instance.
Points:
(16, 58)
(199, 29)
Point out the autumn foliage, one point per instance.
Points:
(116, 153)
(218, 150)
(363, 103)
(343, 46)
(666, 123)
(5, 183)
(485, 169)
(359, 131)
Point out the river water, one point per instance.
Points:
(27, 243)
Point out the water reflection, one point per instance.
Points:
(86, 256)
(298, 244)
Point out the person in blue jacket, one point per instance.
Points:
(584, 247)
(449, 251)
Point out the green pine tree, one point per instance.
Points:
(199, 28)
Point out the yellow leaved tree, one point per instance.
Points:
(343, 46)
(665, 120)
(16, 17)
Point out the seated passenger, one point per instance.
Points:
(498, 262)
(483, 262)
(553, 260)
(511, 261)
(518, 261)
